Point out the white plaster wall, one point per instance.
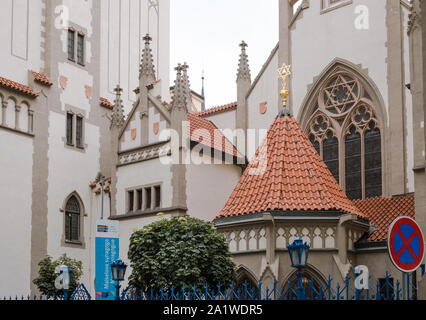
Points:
(408, 107)
(265, 90)
(126, 142)
(140, 174)
(162, 125)
(317, 39)
(208, 187)
(123, 25)
(16, 160)
(84, 167)
(20, 34)
(224, 120)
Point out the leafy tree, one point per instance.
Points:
(180, 251)
(47, 276)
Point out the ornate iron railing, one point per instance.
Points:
(382, 290)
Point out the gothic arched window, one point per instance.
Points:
(72, 220)
(346, 133)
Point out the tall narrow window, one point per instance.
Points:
(147, 198)
(72, 220)
(79, 132)
(373, 161)
(353, 164)
(139, 192)
(157, 196)
(131, 199)
(80, 49)
(71, 45)
(330, 149)
(69, 129)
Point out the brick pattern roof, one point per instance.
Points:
(295, 178)
(106, 103)
(382, 211)
(214, 139)
(41, 78)
(17, 87)
(211, 111)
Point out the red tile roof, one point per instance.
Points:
(208, 134)
(17, 87)
(226, 107)
(382, 211)
(294, 177)
(106, 103)
(42, 78)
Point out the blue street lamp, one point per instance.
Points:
(118, 270)
(299, 252)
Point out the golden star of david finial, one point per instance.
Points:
(284, 72)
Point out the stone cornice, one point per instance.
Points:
(144, 153)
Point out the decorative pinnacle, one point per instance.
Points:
(117, 118)
(243, 66)
(179, 93)
(187, 89)
(284, 72)
(147, 65)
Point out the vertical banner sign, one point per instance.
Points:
(107, 251)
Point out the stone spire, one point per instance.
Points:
(117, 118)
(146, 69)
(203, 105)
(243, 66)
(187, 88)
(178, 99)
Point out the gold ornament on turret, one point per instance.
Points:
(284, 72)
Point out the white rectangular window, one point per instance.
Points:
(79, 132)
(71, 44)
(80, 49)
(69, 129)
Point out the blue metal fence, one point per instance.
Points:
(383, 289)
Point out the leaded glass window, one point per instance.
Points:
(79, 132)
(345, 131)
(80, 49)
(72, 220)
(330, 151)
(353, 164)
(69, 128)
(71, 45)
(373, 161)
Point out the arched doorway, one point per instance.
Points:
(313, 284)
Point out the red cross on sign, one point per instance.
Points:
(406, 244)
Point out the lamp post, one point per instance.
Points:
(299, 252)
(118, 270)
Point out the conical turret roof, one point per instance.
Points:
(287, 174)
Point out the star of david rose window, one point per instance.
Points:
(341, 94)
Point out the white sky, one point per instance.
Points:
(206, 34)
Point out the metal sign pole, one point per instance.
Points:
(404, 286)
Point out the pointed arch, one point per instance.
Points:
(341, 66)
(243, 274)
(73, 211)
(338, 93)
(309, 273)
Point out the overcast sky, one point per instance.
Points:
(206, 35)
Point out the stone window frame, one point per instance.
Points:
(78, 31)
(339, 124)
(4, 104)
(76, 113)
(339, 4)
(135, 190)
(81, 243)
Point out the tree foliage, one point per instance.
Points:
(180, 251)
(47, 276)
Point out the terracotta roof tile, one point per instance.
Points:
(292, 177)
(106, 103)
(17, 87)
(199, 128)
(382, 211)
(42, 78)
(226, 107)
